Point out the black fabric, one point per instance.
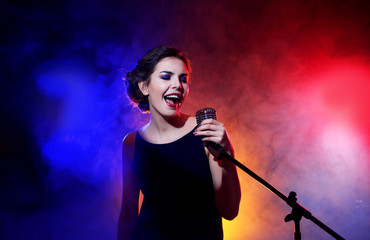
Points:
(176, 181)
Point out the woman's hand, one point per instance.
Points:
(211, 130)
(224, 175)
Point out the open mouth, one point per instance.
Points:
(173, 100)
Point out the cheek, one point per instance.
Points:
(157, 89)
(187, 88)
(186, 92)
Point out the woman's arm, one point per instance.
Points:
(225, 177)
(130, 196)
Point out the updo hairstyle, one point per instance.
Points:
(144, 69)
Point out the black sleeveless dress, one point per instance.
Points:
(176, 181)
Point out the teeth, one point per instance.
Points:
(173, 96)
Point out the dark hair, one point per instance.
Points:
(144, 69)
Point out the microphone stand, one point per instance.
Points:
(297, 210)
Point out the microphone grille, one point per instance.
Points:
(205, 113)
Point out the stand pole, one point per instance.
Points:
(297, 210)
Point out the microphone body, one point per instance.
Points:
(206, 113)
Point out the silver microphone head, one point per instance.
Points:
(215, 149)
(205, 113)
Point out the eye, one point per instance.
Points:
(166, 76)
(184, 78)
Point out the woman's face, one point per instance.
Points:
(168, 87)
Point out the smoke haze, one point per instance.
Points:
(289, 79)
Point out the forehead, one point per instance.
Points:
(172, 64)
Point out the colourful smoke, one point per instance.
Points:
(290, 80)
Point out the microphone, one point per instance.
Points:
(206, 113)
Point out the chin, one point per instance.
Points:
(171, 113)
(165, 111)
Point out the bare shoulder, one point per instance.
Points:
(129, 140)
(128, 146)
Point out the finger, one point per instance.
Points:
(211, 125)
(210, 120)
(216, 140)
(209, 133)
(209, 128)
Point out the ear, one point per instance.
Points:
(143, 88)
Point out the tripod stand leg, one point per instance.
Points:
(297, 230)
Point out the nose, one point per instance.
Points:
(176, 83)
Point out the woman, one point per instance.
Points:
(186, 191)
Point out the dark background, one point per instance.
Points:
(290, 80)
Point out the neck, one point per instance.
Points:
(162, 125)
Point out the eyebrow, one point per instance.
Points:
(168, 72)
